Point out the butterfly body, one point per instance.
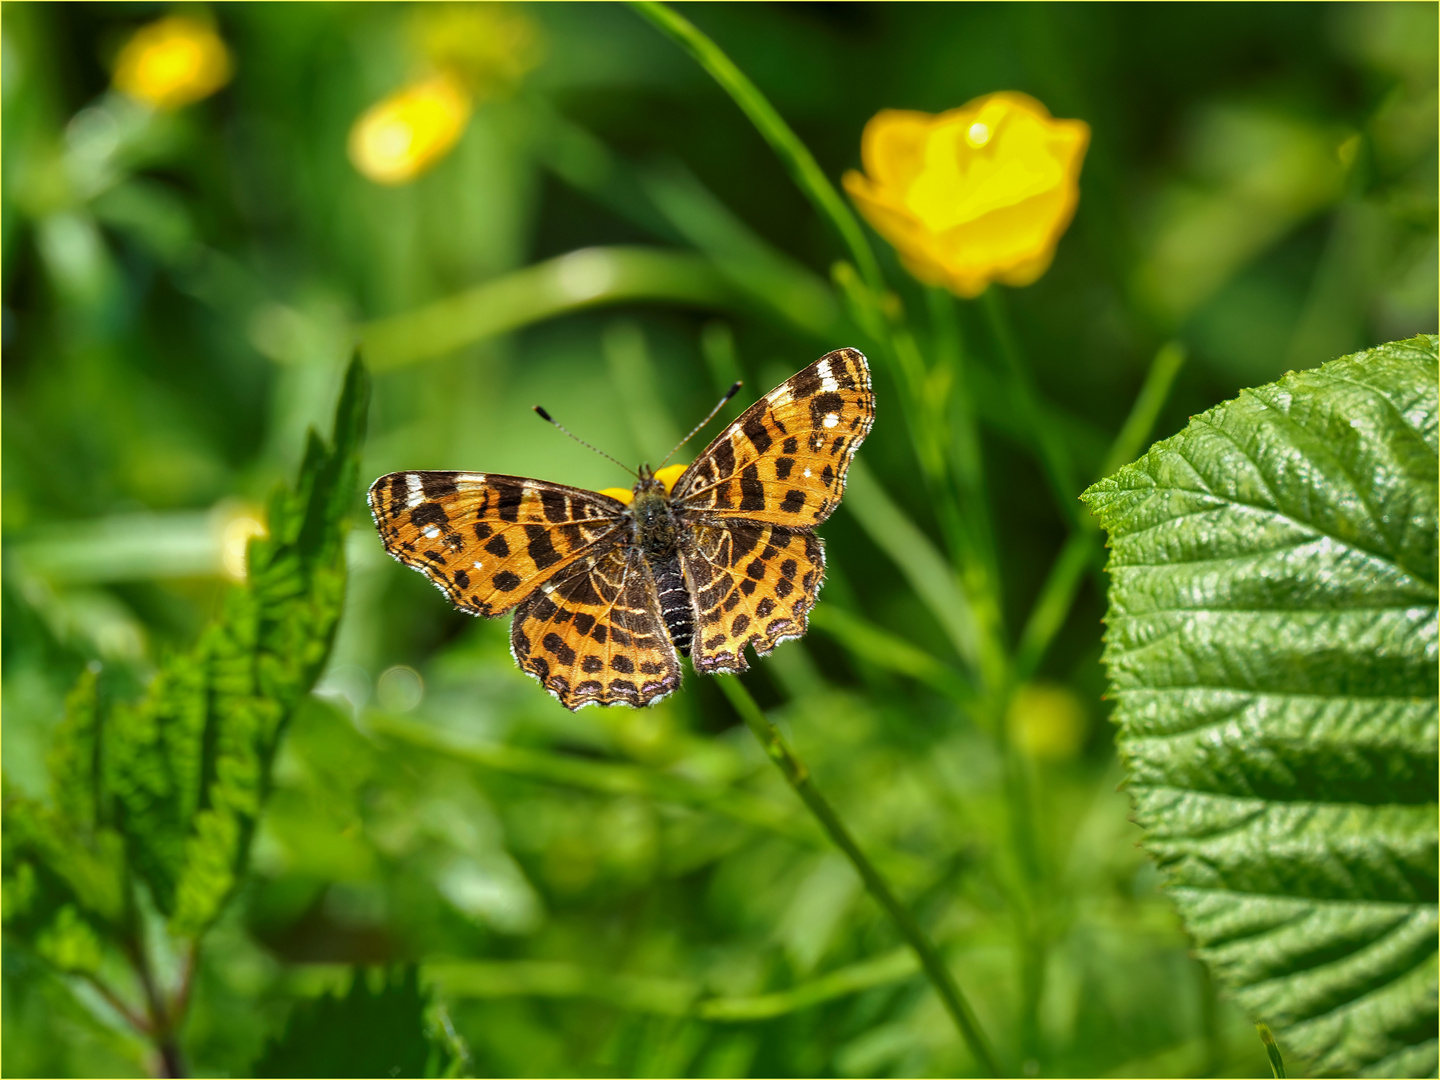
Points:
(609, 592)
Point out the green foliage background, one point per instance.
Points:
(638, 893)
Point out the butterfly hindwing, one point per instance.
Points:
(752, 585)
(594, 634)
(487, 540)
(784, 460)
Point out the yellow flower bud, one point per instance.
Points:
(1047, 721)
(398, 138)
(978, 194)
(172, 62)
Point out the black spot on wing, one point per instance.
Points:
(399, 493)
(428, 514)
(540, 548)
(437, 485)
(822, 406)
(724, 456)
(754, 429)
(555, 506)
(505, 581)
(804, 383)
(794, 501)
(498, 546)
(752, 491)
(555, 644)
(507, 506)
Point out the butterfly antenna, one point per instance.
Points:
(709, 416)
(551, 420)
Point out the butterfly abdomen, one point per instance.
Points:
(675, 606)
(655, 536)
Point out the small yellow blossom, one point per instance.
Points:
(1047, 721)
(978, 194)
(172, 62)
(397, 139)
(488, 46)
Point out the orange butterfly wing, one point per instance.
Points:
(489, 541)
(752, 585)
(783, 462)
(750, 503)
(594, 634)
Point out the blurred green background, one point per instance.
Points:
(183, 289)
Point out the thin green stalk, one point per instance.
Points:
(799, 778)
(793, 153)
(1063, 582)
(980, 571)
(1054, 461)
(1154, 392)
(965, 429)
(1277, 1063)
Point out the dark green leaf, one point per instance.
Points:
(192, 759)
(1272, 651)
(365, 1033)
(64, 871)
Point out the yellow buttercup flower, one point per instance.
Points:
(978, 194)
(172, 62)
(397, 139)
(488, 46)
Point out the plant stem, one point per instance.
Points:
(134, 1019)
(798, 776)
(1063, 582)
(1054, 460)
(794, 154)
(162, 1020)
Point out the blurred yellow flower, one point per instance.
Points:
(397, 139)
(172, 62)
(978, 194)
(488, 46)
(1047, 721)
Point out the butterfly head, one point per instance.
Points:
(659, 482)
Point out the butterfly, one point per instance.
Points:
(610, 588)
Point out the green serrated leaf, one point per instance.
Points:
(368, 1032)
(191, 762)
(1272, 645)
(63, 887)
(75, 755)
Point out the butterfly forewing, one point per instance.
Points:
(753, 585)
(488, 541)
(784, 460)
(594, 634)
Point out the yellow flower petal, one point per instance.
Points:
(172, 62)
(978, 194)
(398, 138)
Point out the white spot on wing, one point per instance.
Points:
(827, 380)
(779, 396)
(477, 566)
(416, 492)
(807, 472)
(831, 419)
(431, 531)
